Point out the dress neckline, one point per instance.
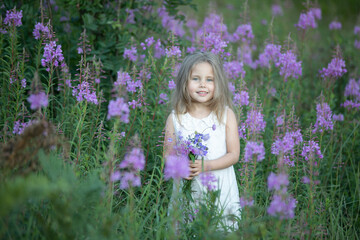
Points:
(188, 114)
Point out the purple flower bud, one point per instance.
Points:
(119, 108)
(324, 118)
(173, 51)
(176, 167)
(246, 202)
(335, 25)
(277, 10)
(13, 18)
(335, 69)
(310, 149)
(130, 54)
(277, 181)
(209, 180)
(172, 85)
(38, 100)
(289, 67)
(254, 149)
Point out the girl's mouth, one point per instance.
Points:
(202, 93)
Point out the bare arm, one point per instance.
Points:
(232, 145)
(169, 139)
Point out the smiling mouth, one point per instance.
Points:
(202, 93)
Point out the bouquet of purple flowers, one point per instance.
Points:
(194, 147)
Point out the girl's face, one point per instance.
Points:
(201, 86)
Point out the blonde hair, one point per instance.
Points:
(222, 97)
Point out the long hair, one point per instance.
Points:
(181, 99)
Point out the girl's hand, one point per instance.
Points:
(195, 169)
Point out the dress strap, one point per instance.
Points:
(225, 114)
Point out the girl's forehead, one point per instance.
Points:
(202, 66)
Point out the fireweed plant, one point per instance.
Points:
(85, 91)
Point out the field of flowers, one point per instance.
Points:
(86, 89)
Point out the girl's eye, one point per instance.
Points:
(195, 78)
(210, 79)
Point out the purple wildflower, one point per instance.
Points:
(280, 120)
(241, 98)
(134, 104)
(170, 23)
(338, 117)
(305, 180)
(277, 182)
(246, 202)
(163, 98)
(324, 118)
(351, 104)
(310, 150)
(190, 49)
(19, 127)
(130, 54)
(122, 78)
(357, 44)
(129, 179)
(282, 208)
(308, 20)
(134, 160)
(353, 89)
(255, 121)
(335, 69)
(172, 84)
(214, 43)
(243, 33)
(242, 131)
(52, 55)
(357, 30)
(213, 24)
(131, 16)
(272, 91)
(176, 167)
(13, 18)
(272, 53)
(213, 127)
(244, 53)
(335, 25)
(231, 87)
(119, 108)
(132, 86)
(277, 10)
(159, 50)
(85, 91)
(23, 83)
(173, 51)
(115, 176)
(208, 180)
(39, 30)
(289, 67)
(80, 50)
(287, 143)
(38, 100)
(254, 150)
(234, 69)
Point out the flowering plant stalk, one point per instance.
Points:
(195, 149)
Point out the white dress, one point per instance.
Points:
(228, 201)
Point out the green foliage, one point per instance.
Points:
(56, 203)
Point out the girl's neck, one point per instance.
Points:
(199, 111)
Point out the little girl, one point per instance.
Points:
(202, 103)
